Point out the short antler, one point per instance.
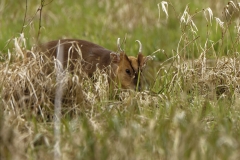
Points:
(140, 46)
(119, 46)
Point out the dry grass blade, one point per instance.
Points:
(164, 5)
(210, 15)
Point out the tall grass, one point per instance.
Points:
(189, 108)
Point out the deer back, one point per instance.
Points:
(75, 51)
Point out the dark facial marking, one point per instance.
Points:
(130, 62)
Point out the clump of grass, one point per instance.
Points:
(28, 90)
(32, 82)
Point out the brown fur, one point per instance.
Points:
(125, 70)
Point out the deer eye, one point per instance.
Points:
(128, 71)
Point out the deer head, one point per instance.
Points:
(129, 68)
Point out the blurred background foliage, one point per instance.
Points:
(103, 21)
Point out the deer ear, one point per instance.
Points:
(115, 58)
(145, 59)
(141, 60)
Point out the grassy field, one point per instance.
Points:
(187, 110)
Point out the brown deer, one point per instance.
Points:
(125, 70)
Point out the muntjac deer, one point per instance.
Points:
(125, 70)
